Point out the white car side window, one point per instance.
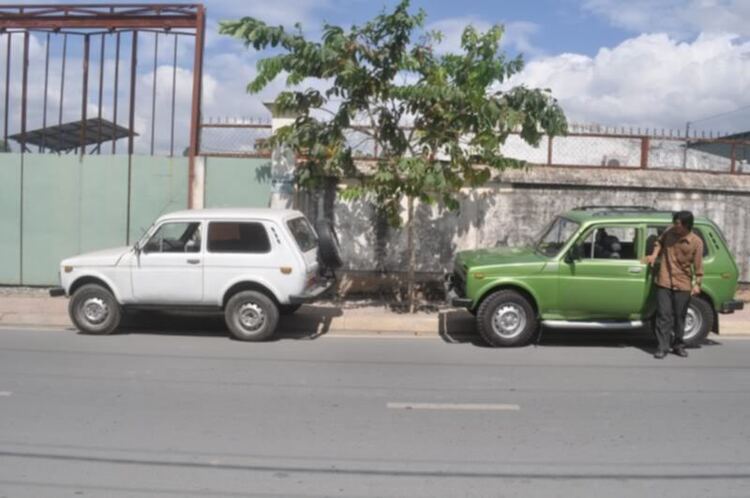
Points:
(175, 237)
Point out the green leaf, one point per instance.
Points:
(382, 73)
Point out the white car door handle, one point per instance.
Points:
(635, 269)
(193, 261)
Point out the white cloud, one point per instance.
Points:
(649, 80)
(517, 34)
(284, 12)
(681, 18)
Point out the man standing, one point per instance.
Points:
(679, 277)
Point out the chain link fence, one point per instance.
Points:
(241, 138)
(583, 148)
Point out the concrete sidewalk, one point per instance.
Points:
(34, 308)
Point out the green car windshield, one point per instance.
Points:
(555, 236)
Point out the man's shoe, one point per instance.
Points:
(660, 355)
(680, 351)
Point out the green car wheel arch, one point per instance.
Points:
(495, 286)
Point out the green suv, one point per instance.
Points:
(587, 270)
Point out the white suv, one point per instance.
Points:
(254, 264)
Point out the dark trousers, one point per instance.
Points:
(671, 309)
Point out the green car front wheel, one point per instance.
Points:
(507, 319)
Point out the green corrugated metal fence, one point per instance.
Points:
(238, 182)
(55, 206)
(10, 219)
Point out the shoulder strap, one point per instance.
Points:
(666, 258)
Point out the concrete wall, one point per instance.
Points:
(516, 205)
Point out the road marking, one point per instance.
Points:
(5, 393)
(454, 406)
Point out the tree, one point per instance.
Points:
(378, 77)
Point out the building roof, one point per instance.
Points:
(68, 136)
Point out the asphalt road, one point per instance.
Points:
(171, 414)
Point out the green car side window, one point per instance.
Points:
(609, 242)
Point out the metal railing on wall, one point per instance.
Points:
(236, 137)
(583, 147)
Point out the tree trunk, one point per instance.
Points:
(411, 284)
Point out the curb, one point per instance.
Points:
(325, 318)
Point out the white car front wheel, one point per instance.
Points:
(94, 310)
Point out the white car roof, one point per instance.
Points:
(233, 214)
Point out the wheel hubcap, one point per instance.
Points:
(95, 310)
(509, 320)
(693, 323)
(252, 316)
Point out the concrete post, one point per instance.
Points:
(197, 192)
(282, 162)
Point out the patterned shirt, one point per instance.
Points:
(681, 259)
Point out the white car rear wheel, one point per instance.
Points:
(251, 316)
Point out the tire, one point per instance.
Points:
(329, 249)
(251, 316)
(289, 309)
(698, 322)
(94, 310)
(519, 322)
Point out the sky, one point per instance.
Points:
(654, 64)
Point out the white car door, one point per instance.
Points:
(169, 267)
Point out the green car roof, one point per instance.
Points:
(636, 215)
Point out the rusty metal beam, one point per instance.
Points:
(174, 91)
(104, 22)
(101, 31)
(46, 82)
(645, 145)
(236, 125)
(153, 92)
(95, 8)
(7, 87)
(101, 92)
(133, 70)
(195, 114)
(116, 89)
(62, 78)
(85, 90)
(107, 7)
(131, 121)
(24, 89)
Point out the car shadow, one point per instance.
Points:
(308, 323)
(459, 327)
